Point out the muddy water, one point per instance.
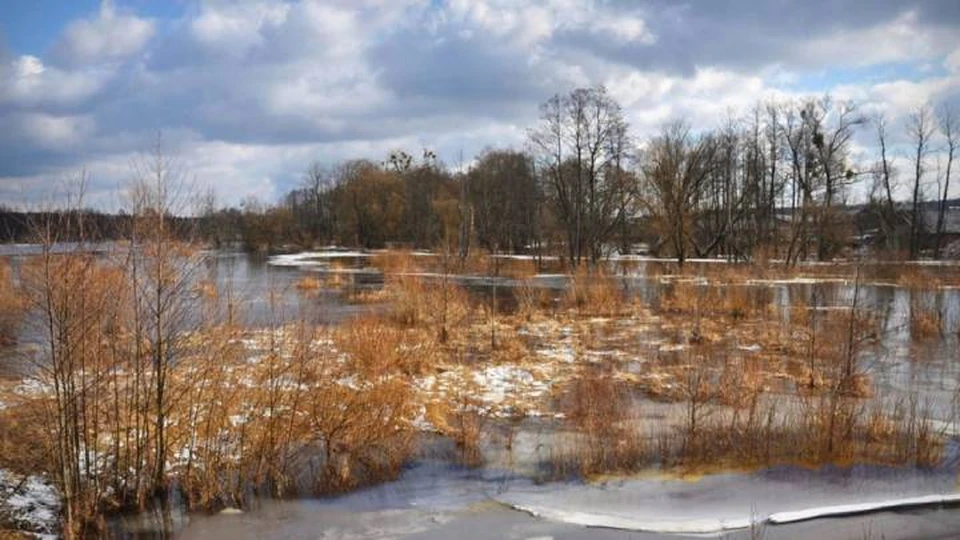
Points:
(435, 500)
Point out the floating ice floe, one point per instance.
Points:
(313, 258)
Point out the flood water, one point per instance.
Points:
(434, 500)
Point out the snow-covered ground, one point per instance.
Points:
(498, 390)
(29, 504)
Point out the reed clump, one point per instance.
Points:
(396, 261)
(375, 347)
(823, 430)
(592, 292)
(917, 278)
(441, 306)
(532, 301)
(461, 418)
(11, 305)
(926, 321)
(309, 284)
(703, 299)
(602, 437)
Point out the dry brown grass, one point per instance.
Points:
(368, 296)
(11, 304)
(442, 306)
(592, 292)
(459, 417)
(309, 284)
(375, 347)
(396, 261)
(311, 414)
(518, 268)
(700, 299)
(532, 302)
(925, 321)
(602, 438)
(824, 430)
(918, 278)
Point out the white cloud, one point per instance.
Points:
(108, 37)
(234, 29)
(27, 82)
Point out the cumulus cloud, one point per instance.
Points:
(108, 36)
(247, 94)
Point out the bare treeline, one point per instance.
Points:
(778, 180)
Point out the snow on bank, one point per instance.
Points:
(717, 526)
(863, 508)
(31, 505)
(715, 505)
(704, 526)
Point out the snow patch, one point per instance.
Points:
(862, 508)
(32, 505)
(611, 521)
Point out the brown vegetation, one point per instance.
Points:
(603, 436)
(926, 321)
(592, 292)
(11, 305)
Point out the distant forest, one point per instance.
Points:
(776, 181)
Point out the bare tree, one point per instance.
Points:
(674, 168)
(833, 128)
(163, 271)
(581, 145)
(502, 193)
(920, 127)
(948, 126)
(886, 166)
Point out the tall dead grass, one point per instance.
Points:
(593, 292)
(926, 321)
(602, 437)
(11, 304)
(395, 261)
(441, 306)
(703, 299)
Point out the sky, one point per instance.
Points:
(246, 94)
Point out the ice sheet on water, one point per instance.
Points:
(313, 258)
